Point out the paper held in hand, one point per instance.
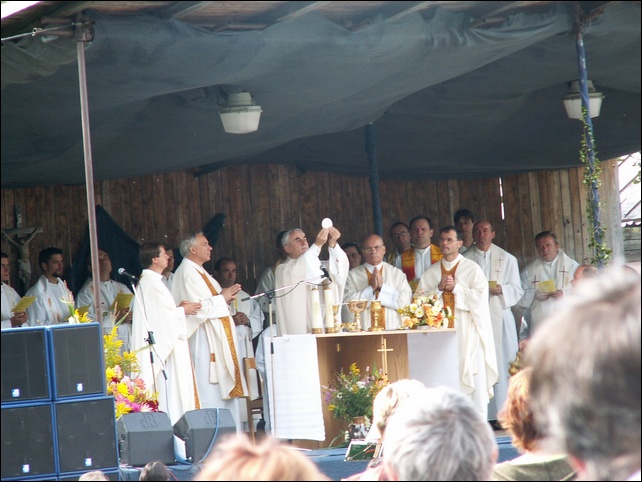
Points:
(547, 286)
(122, 301)
(23, 304)
(492, 284)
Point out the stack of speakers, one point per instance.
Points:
(57, 421)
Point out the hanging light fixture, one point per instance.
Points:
(239, 114)
(573, 100)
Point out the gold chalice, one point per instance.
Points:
(356, 307)
(377, 321)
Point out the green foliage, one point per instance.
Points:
(592, 182)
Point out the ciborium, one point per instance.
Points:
(356, 307)
(377, 320)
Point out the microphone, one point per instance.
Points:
(123, 272)
(326, 274)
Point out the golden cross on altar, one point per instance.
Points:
(384, 354)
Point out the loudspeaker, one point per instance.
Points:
(144, 437)
(199, 428)
(76, 360)
(25, 375)
(86, 434)
(27, 441)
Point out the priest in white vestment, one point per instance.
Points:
(246, 313)
(10, 298)
(459, 281)
(155, 312)
(505, 290)
(212, 336)
(294, 306)
(380, 281)
(544, 281)
(53, 298)
(109, 289)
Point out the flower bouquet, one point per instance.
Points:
(425, 310)
(130, 394)
(352, 394)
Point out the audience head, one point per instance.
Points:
(586, 379)
(170, 259)
(464, 220)
(483, 234)
(196, 248)
(438, 434)
(373, 249)
(225, 272)
(400, 235)
(584, 271)
(450, 241)
(93, 475)
(387, 401)
(295, 243)
(6, 268)
(51, 262)
(421, 231)
(237, 458)
(547, 245)
(354, 254)
(155, 471)
(148, 252)
(517, 415)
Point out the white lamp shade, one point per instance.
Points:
(240, 115)
(573, 101)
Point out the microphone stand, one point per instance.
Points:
(270, 294)
(150, 334)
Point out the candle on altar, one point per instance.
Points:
(328, 299)
(316, 311)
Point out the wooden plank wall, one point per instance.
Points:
(261, 200)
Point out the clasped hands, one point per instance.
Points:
(447, 283)
(376, 280)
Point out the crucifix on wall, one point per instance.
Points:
(23, 237)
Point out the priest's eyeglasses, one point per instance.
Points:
(402, 234)
(374, 248)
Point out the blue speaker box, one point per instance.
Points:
(25, 373)
(76, 360)
(28, 443)
(86, 434)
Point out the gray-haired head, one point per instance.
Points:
(586, 382)
(439, 435)
(187, 243)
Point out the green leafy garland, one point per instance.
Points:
(592, 181)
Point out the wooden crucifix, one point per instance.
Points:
(23, 237)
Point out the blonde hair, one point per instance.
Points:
(237, 458)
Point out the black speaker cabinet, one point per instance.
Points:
(25, 375)
(86, 434)
(144, 437)
(27, 441)
(201, 428)
(77, 360)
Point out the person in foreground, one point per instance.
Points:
(587, 382)
(517, 418)
(237, 458)
(438, 435)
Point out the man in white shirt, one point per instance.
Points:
(380, 281)
(211, 334)
(246, 313)
(54, 302)
(109, 289)
(423, 253)
(544, 281)
(294, 307)
(462, 286)
(10, 298)
(505, 290)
